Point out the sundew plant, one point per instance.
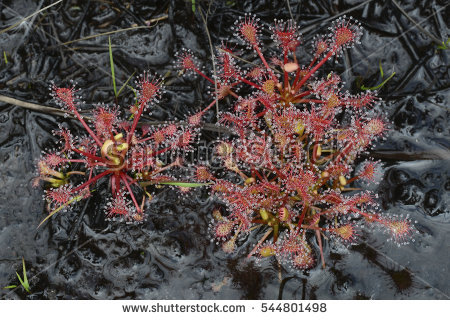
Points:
(116, 150)
(288, 173)
(288, 169)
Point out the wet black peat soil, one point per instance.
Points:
(79, 255)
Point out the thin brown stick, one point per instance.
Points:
(429, 154)
(246, 61)
(213, 59)
(314, 26)
(289, 8)
(432, 37)
(111, 32)
(264, 237)
(32, 106)
(28, 17)
(58, 112)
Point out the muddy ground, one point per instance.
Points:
(79, 255)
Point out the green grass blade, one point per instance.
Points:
(135, 93)
(18, 277)
(380, 85)
(381, 71)
(25, 279)
(111, 61)
(23, 283)
(20, 280)
(10, 287)
(125, 84)
(6, 58)
(193, 5)
(59, 209)
(444, 45)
